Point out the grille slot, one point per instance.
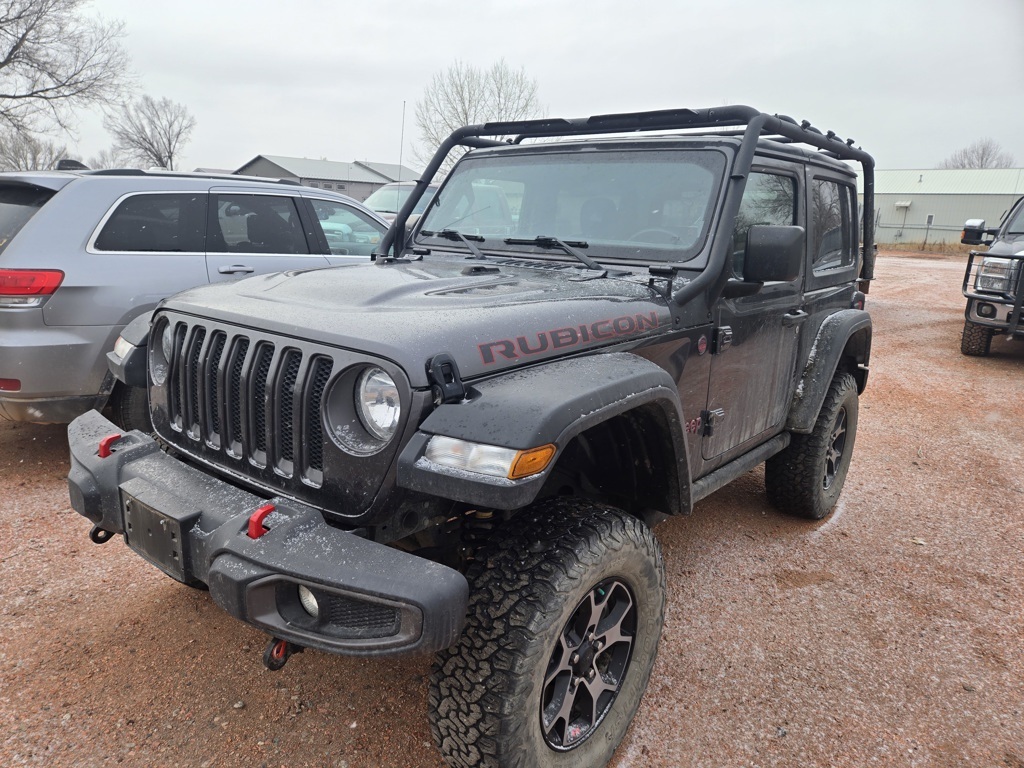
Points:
(212, 378)
(321, 373)
(234, 394)
(264, 354)
(286, 403)
(247, 398)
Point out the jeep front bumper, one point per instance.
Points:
(370, 599)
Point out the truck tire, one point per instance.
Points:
(976, 340)
(129, 408)
(807, 477)
(563, 626)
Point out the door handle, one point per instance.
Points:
(236, 269)
(794, 318)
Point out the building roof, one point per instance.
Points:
(391, 171)
(331, 170)
(942, 181)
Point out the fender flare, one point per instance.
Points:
(842, 334)
(545, 404)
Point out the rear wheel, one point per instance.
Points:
(976, 340)
(807, 477)
(129, 408)
(563, 627)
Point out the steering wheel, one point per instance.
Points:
(656, 235)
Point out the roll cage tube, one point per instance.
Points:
(757, 124)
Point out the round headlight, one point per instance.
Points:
(167, 342)
(377, 403)
(161, 355)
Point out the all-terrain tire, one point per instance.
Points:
(807, 477)
(535, 592)
(129, 408)
(976, 340)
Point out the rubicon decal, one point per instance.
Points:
(570, 336)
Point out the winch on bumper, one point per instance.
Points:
(359, 597)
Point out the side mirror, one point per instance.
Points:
(773, 254)
(974, 232)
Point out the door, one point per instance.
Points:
(252, 234)
(755, 339)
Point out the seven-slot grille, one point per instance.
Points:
(250, 398)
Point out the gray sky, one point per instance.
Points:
(910, 80)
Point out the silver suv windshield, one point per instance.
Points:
(645, 205)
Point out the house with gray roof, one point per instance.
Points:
(356, 179)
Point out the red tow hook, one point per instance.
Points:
(256, 526)
(106, 445)
(278, 652)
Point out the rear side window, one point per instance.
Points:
(18, 204)
(162, 222)
(831, 226)
(257, 224)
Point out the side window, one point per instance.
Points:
(256, 224)
(348, 231)
(164, 223)
(768, 198)
(831, 226)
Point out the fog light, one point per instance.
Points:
(309, 603)
(986, 310)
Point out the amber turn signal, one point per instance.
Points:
(531, 462)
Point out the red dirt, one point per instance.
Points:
(890, 634)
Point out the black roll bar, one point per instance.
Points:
(755, 123)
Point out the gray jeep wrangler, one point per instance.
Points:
(463, 447)
(993, 285)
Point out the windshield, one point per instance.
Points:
(1016, 225)
(18, 204)
(390, 197)
(651, 205)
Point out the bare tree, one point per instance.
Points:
(54, 60)
(110, 158)
(151, 131)
(983, 153)
(23, 152)
(464, 95)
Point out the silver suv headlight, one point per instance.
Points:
(994, 275)
(378, 403)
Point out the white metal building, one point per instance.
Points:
(931, 205)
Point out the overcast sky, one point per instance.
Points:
(910, 80)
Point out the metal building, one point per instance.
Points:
(930, 205)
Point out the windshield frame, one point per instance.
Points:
(717, 158)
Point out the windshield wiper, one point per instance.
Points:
(454, 234)
(546, 241)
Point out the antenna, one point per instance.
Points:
(401, 142)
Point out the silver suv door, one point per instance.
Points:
(255, 233)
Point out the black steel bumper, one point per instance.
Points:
(372, 599)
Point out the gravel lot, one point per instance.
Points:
(890, 634)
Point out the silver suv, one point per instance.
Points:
(83, 253)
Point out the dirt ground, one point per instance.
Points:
(891, 634)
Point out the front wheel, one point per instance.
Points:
(129, 407)
(806, 478)
(976, 340)
(563, 627)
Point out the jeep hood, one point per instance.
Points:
(488, 316)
